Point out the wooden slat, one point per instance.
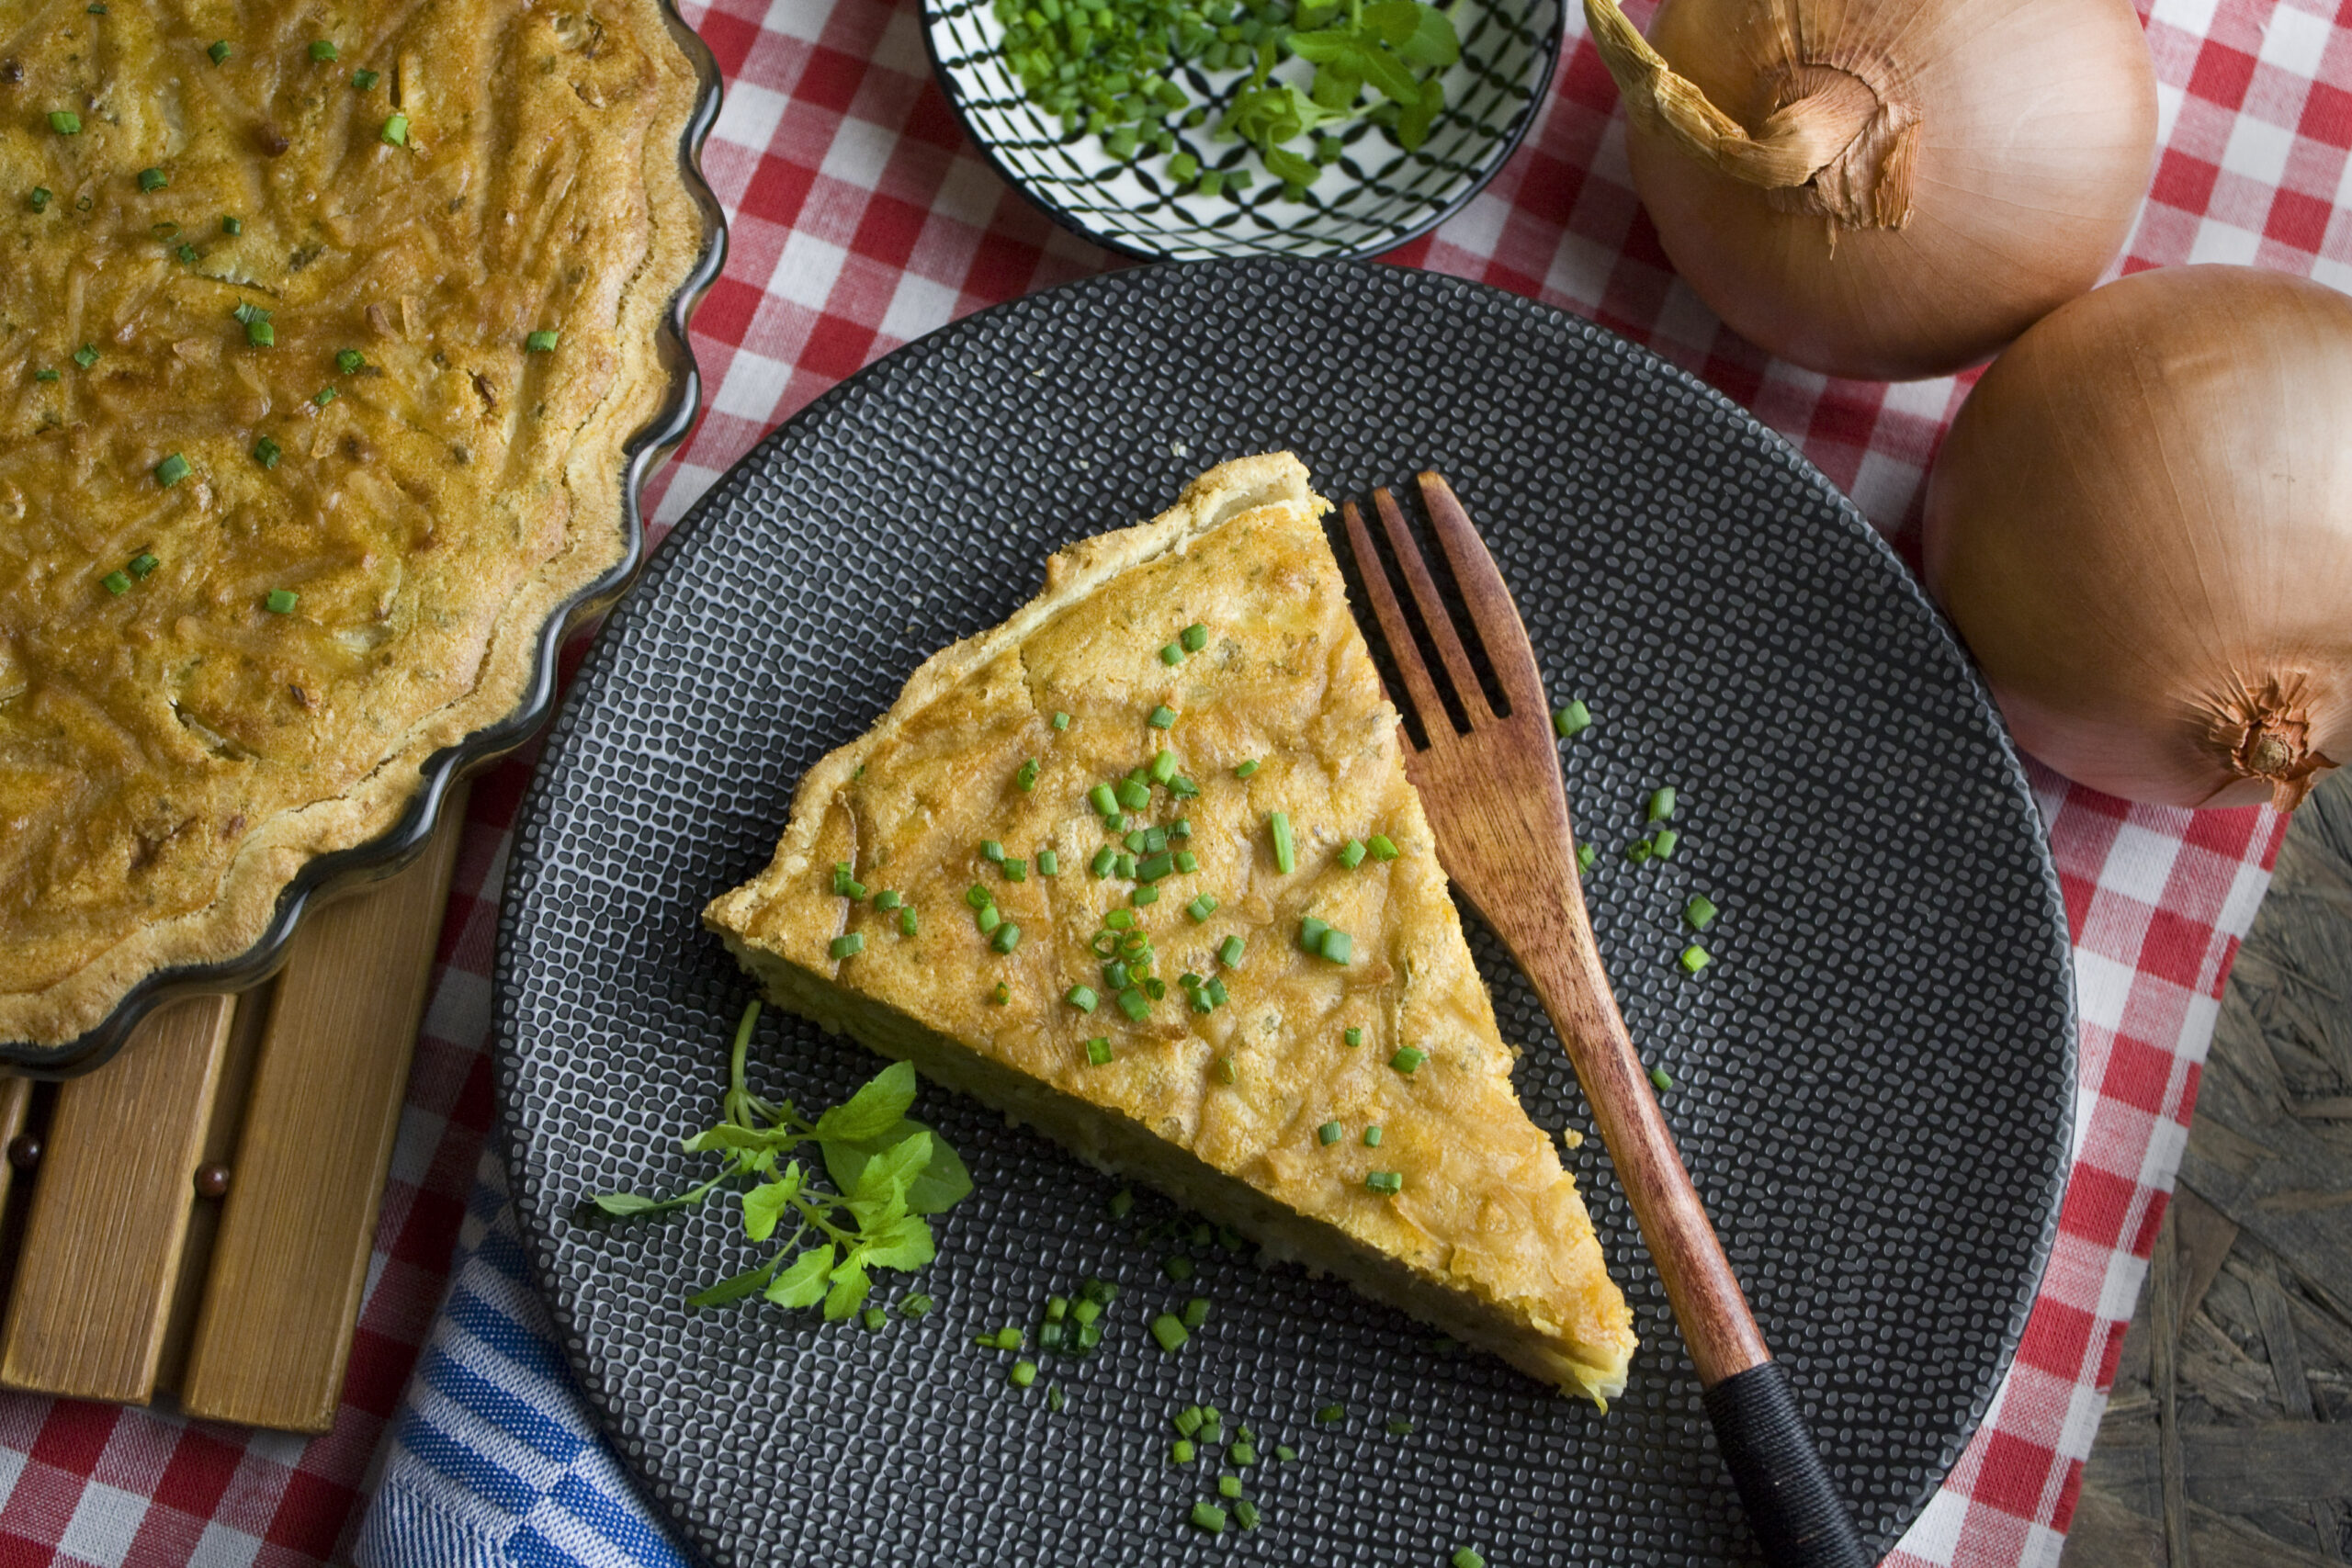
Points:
(15, 1100)
(111, 1211)
(291, 1258)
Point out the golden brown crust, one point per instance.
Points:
(173, 754)
(1284, 679)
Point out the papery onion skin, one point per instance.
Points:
(2034, 141)
(2142, 525)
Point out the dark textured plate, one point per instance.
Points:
(1872, 1085)
(405, 840)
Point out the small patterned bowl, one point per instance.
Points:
(1374, 196)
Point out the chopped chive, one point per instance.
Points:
(1202, 908)
(1135, 795)
(1177, 1268)
(1662, 1078)
(1023, 1373)
(1571, 720)
(232, 224)
(842, 878)
(1586, 855)
(1132, 1002)
(153, 179)
(907, 921)
(1194, 637)
(1329, 1133)
(1661, 804)
(1332, 1414)
(1061, 720)
(265, 452)
(1228, 1486)
(1162, 717)
(1016, 869)
(219, 51)
(1048, 863)
(1242, 1456)
(1098, 1053)
(1170, 1331)
(1371, 1136)
(1243, 770)
(44, 375)
(39, 197)
(116, 583)
(1105, 799)
(141, 564)
(1006, 937)
(1700, 911)
(1153, 868)
(1104, 858)
(365, 80)
(1187, 862)
(888, 899)
(1225, 1072)
(1407, 1058)
(1196, 1312)
(1387, 1183)
(86, 356)
(541, 343)
(1400, 1428)
(848, 946)
(1180, 1452)
(1119, 920)
(1338, 946)
(853, 888)
(1662, 844)
(350, 361)
(189, 254)
(395, 132)
(65, 122)
(1188, 1420)
(323, 49)
(1163, 765)
(1138, 841)
(1464, 1557)
(171, 471)
(1229, 952)
(1024, 778)
(323, 396)
(1171, 654)
(1381, 848)
(1208, 1517)
(1639, 851)
(1310, 934)
(987, 918)
(992, 851)
(1351, 853)
(1216, 993)
(1142, 896)
(1695, 958)
(1353, 1036)
(1284, 1452)
(1123, 867)
(1122, 1202)
(872, 1318)
(1244, 1513)
(1285, 851)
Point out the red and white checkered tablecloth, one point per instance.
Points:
(862, 220)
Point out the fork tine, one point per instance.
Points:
(1472, 696)
(1435, 721)
(1492, 609)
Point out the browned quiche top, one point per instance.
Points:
(322, 328)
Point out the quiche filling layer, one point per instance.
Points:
(1233, 968)
(321, 330)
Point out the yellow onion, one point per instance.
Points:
(2142, 525)
(1886, 188)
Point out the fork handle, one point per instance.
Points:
(1792, 1504)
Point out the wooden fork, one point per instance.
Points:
(1501, 814)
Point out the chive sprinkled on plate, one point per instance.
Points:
(1662, 1078)
(1023, 1373)
(1170, 1330)
(1177, 1268)
(1208, 1517)
(171, 471)
(1661, 805)
(1700, 911)
(1196, 1312)
(1586, 856)
(1663, 842)
(1228, 1486)
(1465, 1557)
(541, 343)
(1695, 958)
(1330, 1415)
(1180, 1452)
(1571, 720)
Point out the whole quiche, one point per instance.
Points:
(323, 331)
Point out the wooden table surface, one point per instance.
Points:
(2228, 1443)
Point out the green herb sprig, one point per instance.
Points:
(888, 1174)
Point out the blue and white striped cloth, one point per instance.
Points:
(495, 1461)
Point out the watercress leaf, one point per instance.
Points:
(1390, 22)
(630, 1203)
(1331, 45)
(727, 1136)
(803, 1283)
(874, 1108)
(1313, 14)
(850, 1286)
(763, 1206)
(881, 1210)
(845, 1161)
(893, 1169)
(1389, 76)
(1288, 166)
(1414, 121)
(1433, 40)
(907, 1246)
(734, 1289)
(1334, 89)
(943, 1183)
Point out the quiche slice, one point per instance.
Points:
(1141, 867)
